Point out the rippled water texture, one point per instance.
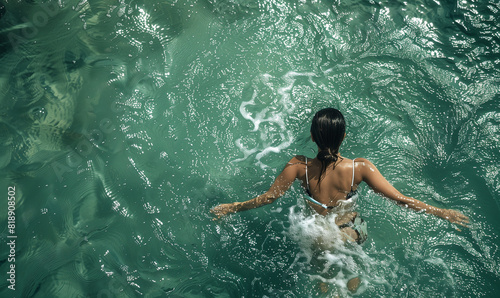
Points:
(123, 122)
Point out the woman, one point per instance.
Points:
(331, 180)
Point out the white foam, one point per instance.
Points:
(328, 259)
(246, 152)
(260, 116)
(314, 232)
(275, 113)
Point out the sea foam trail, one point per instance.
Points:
(328, 261)
(275, 113)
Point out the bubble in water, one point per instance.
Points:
(38, 114)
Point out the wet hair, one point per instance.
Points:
(327, 130)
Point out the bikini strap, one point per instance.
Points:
(307, 178)
(352, 182)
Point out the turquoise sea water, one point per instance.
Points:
(123, 122)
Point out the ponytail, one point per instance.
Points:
(327, 157)
(327, 130)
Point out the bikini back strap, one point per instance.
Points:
(352, 182)
(307, 178)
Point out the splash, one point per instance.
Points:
(329, 261)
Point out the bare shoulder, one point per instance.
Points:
(364, 165)
(296, 164)
(361, 161)
(366, 168)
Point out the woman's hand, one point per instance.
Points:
(223, 209)
(280, 185)
(454, 216)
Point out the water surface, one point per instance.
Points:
(124, 122)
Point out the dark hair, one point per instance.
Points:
(327, 130)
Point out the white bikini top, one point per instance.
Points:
(342, 206)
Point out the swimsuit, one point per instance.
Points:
(359, 226)
(347, 205)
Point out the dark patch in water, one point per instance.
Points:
(2, 10)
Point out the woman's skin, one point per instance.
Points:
(335, 185)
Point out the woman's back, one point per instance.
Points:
(334, 189)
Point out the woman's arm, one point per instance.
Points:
(281, 184)
(379, 184)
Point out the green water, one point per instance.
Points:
(123, 122)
